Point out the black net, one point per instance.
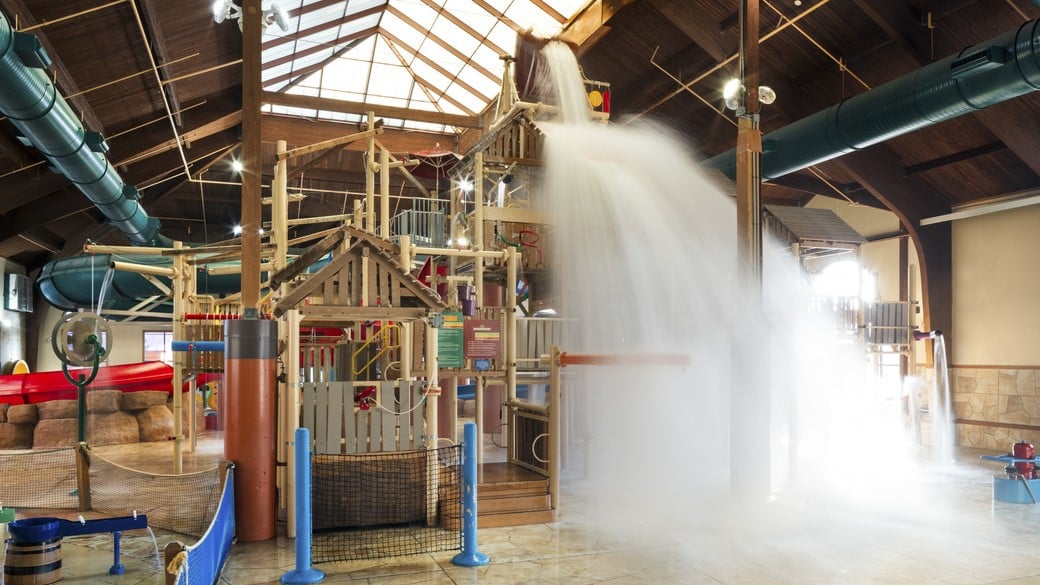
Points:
(385, 504)
(180, 503)
(39, 479)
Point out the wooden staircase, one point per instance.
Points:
(510, 495)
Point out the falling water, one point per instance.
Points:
(646, 256)
(944, 433)
(106, 282)
(155, 543)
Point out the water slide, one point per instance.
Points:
(75, 282)
(39, 387)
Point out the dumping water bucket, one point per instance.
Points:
(35, 563)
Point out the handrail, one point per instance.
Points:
(384, 337)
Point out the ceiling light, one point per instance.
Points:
(276, 15)
(766, 95)
(227, 9)
(237, 230)
(731, 89)
(236, 165)
(224, 9)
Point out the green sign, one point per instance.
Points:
(449, 340)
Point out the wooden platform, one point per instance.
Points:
(509, 495)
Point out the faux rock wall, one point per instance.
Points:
(996, 395)
(113, 417)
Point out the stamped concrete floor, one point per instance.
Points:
(896, 537)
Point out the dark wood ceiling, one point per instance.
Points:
(103, 55)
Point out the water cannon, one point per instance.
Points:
(922, 335)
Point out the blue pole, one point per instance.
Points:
(470, 556)
(197, 345)
(303, 572)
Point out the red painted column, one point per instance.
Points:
(250, 369)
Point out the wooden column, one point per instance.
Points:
(750, 394)
(251, 163)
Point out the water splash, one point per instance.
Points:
(647, 262)
(155, 543)
(940, 408)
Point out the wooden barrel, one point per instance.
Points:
(37, 563)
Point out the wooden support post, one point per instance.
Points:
(180, 267)
(478, 225)
(370, 181)
(384, 194)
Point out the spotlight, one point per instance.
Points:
(237, 230)
(224, 9)
(236, 165)
(731, 89)
(276, 14)
(766, 95)
(466, 186)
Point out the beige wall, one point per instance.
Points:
(996, 288)
(127, 346)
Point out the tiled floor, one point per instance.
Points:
(915, 524)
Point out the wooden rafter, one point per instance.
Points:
(349, 18)
(445, 45)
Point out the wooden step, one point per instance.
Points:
(500, 519)
(512, 489)
(512, 504)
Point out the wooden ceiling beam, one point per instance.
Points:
(157, 42)
(331, 105)
(956, 157)
(62, 77)
(1003, 120)
(441, 43)
(687, 18)
(209, 128)
(319, 48)
(591, 24)
(281, 40)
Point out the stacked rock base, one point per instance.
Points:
(113, 417)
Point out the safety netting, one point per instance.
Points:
(378, 505)
(203, 561)
(182, 503)
(39, 479)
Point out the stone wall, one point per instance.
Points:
(113, 417)
(1005, 396)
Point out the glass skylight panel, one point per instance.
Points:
(383, 54)
(479, 82)
(347, 96)
(431, 76)
(356, 26)
(471, 102)
(439, 55)
(325, 37)
(473, 15)
(347, 74)
(402, 30)
(278, 51)
(527, 15)
(389, 80)
(321, 16)
(454, 36)
(359, 5)
(503, 37)
(422, 14)
(294, 111)
(274, 72)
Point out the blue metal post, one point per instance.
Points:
(470, 556)
(303, 572)
(117, 567)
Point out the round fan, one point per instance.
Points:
(81, 338)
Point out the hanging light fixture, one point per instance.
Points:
(227, 9)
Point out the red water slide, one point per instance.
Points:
(44, 386)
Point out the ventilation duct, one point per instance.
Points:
(998, 70)
(36, 108)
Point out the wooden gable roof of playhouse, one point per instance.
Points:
(368, 270)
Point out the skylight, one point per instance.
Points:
(430, 55)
